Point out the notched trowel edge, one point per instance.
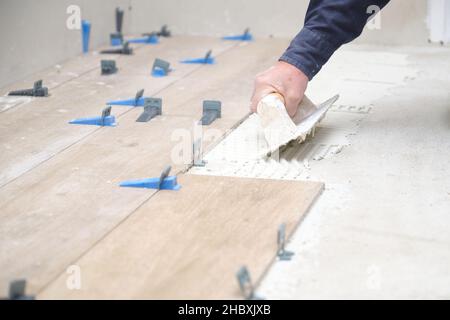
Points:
(278, 127)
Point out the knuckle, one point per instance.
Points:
(259, 79)
(294, 95)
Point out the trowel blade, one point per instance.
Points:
(279, 128)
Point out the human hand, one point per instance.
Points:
(282, 78)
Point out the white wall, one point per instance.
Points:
(218, 17)
(439, 20)
(402, 21)
(34, 33)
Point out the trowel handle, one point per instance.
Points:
(277, 96)
(304, 109)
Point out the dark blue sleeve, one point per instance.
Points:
(328, 25)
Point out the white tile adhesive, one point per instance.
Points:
(379, 229)
(280, 129)
(372, 76)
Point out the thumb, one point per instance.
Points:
(292, 103)
(258, 95)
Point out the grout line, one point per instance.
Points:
(85, 252)
(140, 46)
(295, 228)
(98, 241)
(118, 116)
(216, 143)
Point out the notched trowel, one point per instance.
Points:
(279, 128)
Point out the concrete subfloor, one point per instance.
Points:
(380, 229)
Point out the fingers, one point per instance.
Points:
(258, 95)
(262, 87)
(292, 100)
(284, 79)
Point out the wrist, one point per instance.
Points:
(296, 67)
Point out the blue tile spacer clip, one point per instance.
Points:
(246, 36)
(160, 68)
(282, 253)
(148, 39)
(197, 151)
(164, 32)
(105, 120)
(17, 290)
(85, 34)
(164, 182)
(137, 101)
(119, 19)
(116, 39)
(152, 108)
(246, 285)
(108, 67)
(212, 110)
(37, 91)
(207, 59)
(125, 49)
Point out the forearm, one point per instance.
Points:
(328, 25)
